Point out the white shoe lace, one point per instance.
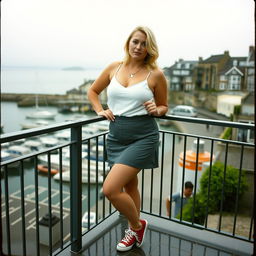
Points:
(128, 235)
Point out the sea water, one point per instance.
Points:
(44, 80)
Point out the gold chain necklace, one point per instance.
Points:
(133, 74)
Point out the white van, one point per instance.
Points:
(183, 110)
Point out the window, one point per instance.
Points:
(222, 86)
(175, 79)
(184, 72)
(176, 72)
(245, 135)
(223, 78)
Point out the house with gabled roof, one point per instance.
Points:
(232, 76)
(206, 73)
(250, 70)
(238, 73)
(181, 75)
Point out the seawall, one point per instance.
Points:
(28, 100)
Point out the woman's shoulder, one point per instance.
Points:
(157, 75)
(157, 72)
(114, 65)
(111, 68)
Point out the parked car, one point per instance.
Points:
(183, 110)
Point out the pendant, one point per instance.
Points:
(131, 75)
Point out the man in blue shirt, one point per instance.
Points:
(176, 197)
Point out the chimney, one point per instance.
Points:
(251, 48)
(226, 53)
(200, 59)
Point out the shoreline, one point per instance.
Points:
(29, 99)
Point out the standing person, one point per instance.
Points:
(187, 193)
(137, 91)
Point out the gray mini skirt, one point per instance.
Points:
(133, 141)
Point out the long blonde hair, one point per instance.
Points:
(151, 46)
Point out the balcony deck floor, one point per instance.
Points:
(158, 242)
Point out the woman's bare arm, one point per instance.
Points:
(97, 87)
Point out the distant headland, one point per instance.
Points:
(74, 68)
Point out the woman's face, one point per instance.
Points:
(137, 46)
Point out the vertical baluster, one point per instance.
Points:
(97, 180)
(251, 225)
(195, 186)
(104, 172)
(183, 174)
(172, 170)
(223, 187)
(22, 194)
(61, 199)
(151, 191)
(162, 172)
(89, 184)
(142, 190)
(76, 188)
(37, 206)
(238, 188)
(209, 182)
(6, 187)
(49, 201)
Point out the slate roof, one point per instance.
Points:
(213, 58)
(252, 54)
(229, 65)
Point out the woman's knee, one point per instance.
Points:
(132, 185)
(109, 191)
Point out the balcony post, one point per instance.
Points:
(76, 189)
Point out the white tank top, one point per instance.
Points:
(128, 101)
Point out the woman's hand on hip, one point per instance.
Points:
(107, 113)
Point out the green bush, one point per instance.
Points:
(216, 185)
(226, 135)
(199, 210)
(237, 109)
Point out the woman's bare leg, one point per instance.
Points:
(168, 206)
(119, 176)
(132, 190)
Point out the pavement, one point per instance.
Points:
(211, 115)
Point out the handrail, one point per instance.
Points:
(65, 125)
(75, 145)
(47, 129)
(208, 121)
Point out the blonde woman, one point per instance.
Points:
(137, 91)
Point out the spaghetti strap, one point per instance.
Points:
(148, 75)
(118, 68)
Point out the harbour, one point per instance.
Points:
(49, 188)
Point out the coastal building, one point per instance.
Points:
(232, 77)
(86, 85)
(227, 101)
(218, 72)
(181, 75)
(206, 73)
(250, 67)
(73, 94)
(245, 114)
(83, 88)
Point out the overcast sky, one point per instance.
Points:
(91, 33)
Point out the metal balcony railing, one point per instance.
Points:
(27, 197)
